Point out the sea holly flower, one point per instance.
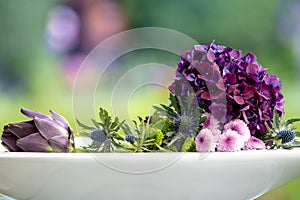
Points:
(104, 133)
(130, 138)
(281, 133)
(41, 134)
(254, 144)
(286, 136)
(205, 141)
(98, 135)
(230, 141)
(240, 127)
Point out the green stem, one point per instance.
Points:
(177, 137)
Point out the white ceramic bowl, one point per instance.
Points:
(115, 176)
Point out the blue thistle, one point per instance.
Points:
(287, 135)
(130, 138)
(98, 135)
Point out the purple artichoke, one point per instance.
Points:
(217, 72)
(41, 134)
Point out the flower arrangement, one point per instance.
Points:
(220, 100)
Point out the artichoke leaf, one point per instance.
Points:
(34, 143)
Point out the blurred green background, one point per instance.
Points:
(42, 44)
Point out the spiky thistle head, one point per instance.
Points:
(286, 136)
(281, 133)
(130, 138)
(98, 135)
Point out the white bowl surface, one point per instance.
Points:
(114, 176)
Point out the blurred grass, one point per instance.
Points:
(47, 91)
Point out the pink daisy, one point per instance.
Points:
(216, 133)
(240, 127)
(254, 143)
(205, 141)
(230, 140)
(211, 122)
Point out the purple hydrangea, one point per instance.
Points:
(229, 85)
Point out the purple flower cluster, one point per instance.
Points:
(229, 85)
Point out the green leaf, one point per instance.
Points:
(171, 133)
(113, 125)
(126, 128)
(107, 121)
(151, 131)
(288, 147)
(167, 126)
(84, 134)
(103, 114)
(156, 117)
(268, 128)
(124, 150)
(135, 123)
(84, 126)
(161, 149)
(190, 100)
(276, 119)
(121, 124)
(117, 120)
(116, 135)
(188, 145)
(173, 148)
(126, 145)
(159, 124)
(202, 119)
(159, 137)
(182, 107)
(174, 103)
(140, 119)
(169, 110)
(96, 124)
(177, 138)
(292, 120)
(159, 109)
(297, 134)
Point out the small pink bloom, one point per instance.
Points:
(254, 143)
(230, 140)
(211, 122)
(240, 127)
(205, 141)
(216, 133)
